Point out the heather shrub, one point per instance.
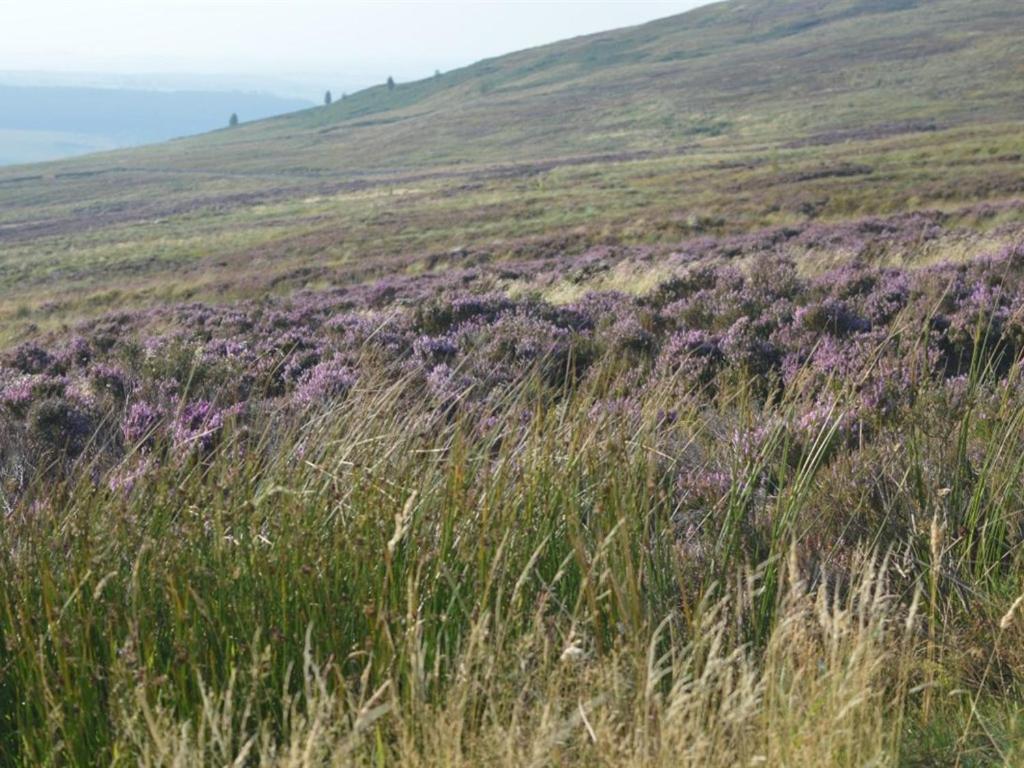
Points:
(830, 316)
(140, 425)
(197, 427)
(694, 356)
(111, 381)
(325, 383)
(30, 358)
(443, 314)
(681, 287)
(60, 427)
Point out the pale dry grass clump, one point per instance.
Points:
(829, 688)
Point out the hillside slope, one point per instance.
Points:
(738, 116)
(758, 70)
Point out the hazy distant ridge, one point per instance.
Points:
(38, 123)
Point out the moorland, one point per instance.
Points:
(651, 398)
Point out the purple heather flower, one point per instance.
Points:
(140, 423)
(30, 358)
(16, 391)
(446, 384)
(198, 426)
(111, 379)
(435, 349)
(330, 380)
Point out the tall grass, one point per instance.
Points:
(380, 583)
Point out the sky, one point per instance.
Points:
(356, 39)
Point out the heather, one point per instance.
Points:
(167, 382)
(748, 514)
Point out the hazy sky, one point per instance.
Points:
(406, 38)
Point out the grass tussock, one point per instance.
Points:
(556, 582)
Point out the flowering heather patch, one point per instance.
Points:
(140, 423)
(877, 329)
(59, 425)
(30, 358)
(17, 392)
(693, 355)
(110, 380)
(197, 427)
(325, 383)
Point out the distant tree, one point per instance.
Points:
(233, 120)
(391, 83)
(328, 99)
(344, 96)
(437, 74)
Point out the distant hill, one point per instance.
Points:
(746, 70)
(42, 123)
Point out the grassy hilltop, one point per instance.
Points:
(653, 398)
